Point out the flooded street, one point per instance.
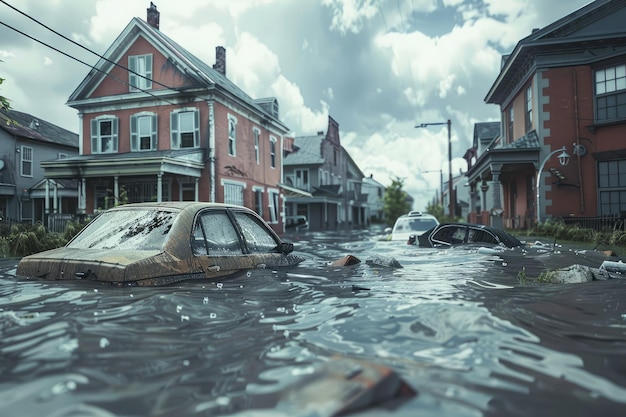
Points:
(454, 324)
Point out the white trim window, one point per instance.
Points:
(26, 161)
(61, 155)
(104, 134)
(272, 152)
(140, 74)
(233, 192)
(529, 107)
(143, 132)
(185, 128)
(610, 97)
(256, 133)
(301, 177)
(273, 205)
(258, 200)
(232, 135)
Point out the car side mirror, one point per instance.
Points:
(285, 247)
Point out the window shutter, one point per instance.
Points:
(148, 74)
(94, 136)
(154, 132)
(132, 66)
(114, 123)
(196, 122)
(174, 130)
(134, 135)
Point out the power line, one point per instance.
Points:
(81, 46)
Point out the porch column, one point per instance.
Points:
(159, 188)
(116, 190)
(497, 210)
(47, 201)
(55, 198)
(197, 190)
(473, 196)
(82, 196)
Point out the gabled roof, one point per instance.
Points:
(309, 151)
(596, 25)
(198, 72)
(486, 131)
(27, 126)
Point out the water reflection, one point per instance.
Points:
(466, 336)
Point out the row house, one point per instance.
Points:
(26, 141)
(320, 166)
(375, 192)
(159, 124)
(562, 98)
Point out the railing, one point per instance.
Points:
(57, 222)
(599, 223)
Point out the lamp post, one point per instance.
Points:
(440, 171)
(449, 123)
(563, 160)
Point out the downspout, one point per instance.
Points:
(212, 151)
(580, 174)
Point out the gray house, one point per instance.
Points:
(375, 192)
(320, 166)
(26, 141)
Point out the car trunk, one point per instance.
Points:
(71, 264)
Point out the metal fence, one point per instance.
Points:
(599, 223)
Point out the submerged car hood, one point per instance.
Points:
(92, 264)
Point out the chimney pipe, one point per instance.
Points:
(220, 60)
(153, 16)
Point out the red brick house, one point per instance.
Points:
(158, 124)
(562, 91)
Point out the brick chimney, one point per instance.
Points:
(220, 60)
(153, 16)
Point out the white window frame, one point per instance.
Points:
(610, 83)
(176, 128)
(140, 74)
(529, 107)
(232, 135)
(273, 205)
(273, 141)
(26, 159)
(258, 199)
(136, 135)
(228, 186)
(97, 137)
(256, 133)
(61, 155)
(299, 180)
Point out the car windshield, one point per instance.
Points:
(414, 224)
(139, 229)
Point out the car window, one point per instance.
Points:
(451, 235)
(475, 235)
(258, 237)
(218, 233)
(422, 224)
(138, 229)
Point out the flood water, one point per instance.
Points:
(453, 324)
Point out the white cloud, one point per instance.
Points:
(349, 15)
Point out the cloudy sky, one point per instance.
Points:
(378, 67)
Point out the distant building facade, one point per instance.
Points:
(25, 142)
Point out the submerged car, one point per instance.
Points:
(449, 234)
(149, 244)
(415, 223)
(296, 223)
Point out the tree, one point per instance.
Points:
(395, 201)
(4, 102)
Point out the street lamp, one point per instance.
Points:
(563, 160)
(449, 123)
(440, 171)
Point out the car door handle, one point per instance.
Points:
(214, 268)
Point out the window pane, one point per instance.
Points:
(221, 236)
(600, 76)
(258, 238)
